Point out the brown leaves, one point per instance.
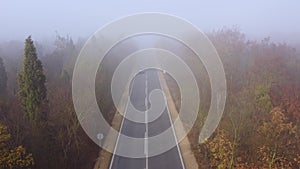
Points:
(288, 98)
(221, 151)
(278, 146)
(12, 157)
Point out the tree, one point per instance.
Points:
(31, 81)
(12, 157)
(279, 146)
(221, 150)
(263, 103)
(61, 60)
(287, 97)
(3, 79)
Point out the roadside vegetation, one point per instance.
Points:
(259, 128)
(260, 125)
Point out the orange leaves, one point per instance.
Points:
(288, 98)
(15, 157)
(221, 150)
(278, 145)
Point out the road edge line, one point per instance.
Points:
(187, 154)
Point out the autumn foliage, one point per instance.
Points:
(260, 127)
(12, 157)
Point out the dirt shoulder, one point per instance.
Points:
(104, 158)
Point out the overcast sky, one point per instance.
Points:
(257, 18)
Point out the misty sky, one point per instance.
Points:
(257, 18)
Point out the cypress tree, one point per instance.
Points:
(31, 82)
(3, 79)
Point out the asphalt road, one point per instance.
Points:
(142, 85)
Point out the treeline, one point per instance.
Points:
(38, 125)
(37, 118)
(260, 124)
(259, 128)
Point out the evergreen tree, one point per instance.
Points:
(3, 79)
(31, 82)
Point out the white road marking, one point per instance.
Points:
(113, 157)
(146, 133)
(146, 121)
(171, 121)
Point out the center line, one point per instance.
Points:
(146, 121)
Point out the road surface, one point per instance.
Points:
(142, 85)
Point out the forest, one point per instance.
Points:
(260, 124)
(259, 127)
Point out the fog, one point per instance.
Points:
(41, 19)
(258, 44)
